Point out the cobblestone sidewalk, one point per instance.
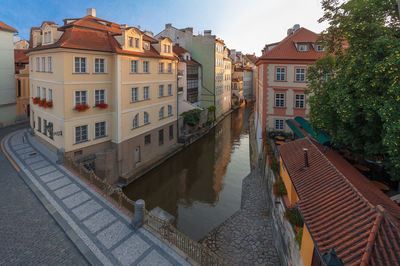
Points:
(105, 232)
(246, 237)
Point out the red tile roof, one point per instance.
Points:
(20, 56)
(286, 49)
(92, 33)
(341, 208)
(179, 50)
(4, 26)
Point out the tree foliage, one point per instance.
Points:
(355, 87)
(191, 117)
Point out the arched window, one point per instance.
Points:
(169, 110)
(136, 121)
(146, 118)
(161, 113)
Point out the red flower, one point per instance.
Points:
(42, 103)
(81, 107)
(49, 104)
(102, 105)
(36, 100)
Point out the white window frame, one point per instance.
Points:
(80, 96)
(146, 66)
(50, 64)
(279, 124)
(87, 134)
(161, 114)
(146, 93)
(104, 96)
(130, 42)
(300, 101)
(37, 64)
(44, 93)
(301, 46)
(135, 121)
(279, 73)
(38, 91)
(146, 118)
(169, 89)
(278, 100)
(303, 75)
(104, 67)
(170, 68)
(80, 65)
(50, 97)
(105, 129)
(170, 113)
(161, 90)
(135, 94)
(134, 70)
(161, 67)
(43, 64)
(137, 40)
(146, 45)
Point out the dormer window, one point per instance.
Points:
(146, 46)
(167, 48)
(303, 48)
(47, 37)
(136, 42)
(319, 48)
(130, 42)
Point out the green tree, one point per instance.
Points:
(355, 92)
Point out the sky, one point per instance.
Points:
(244, 25)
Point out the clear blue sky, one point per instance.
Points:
(244, 25)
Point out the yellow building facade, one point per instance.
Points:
(112, 92)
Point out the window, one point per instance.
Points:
(50, 95)
(146, 118)
(134, 66)
(279, 100)
(147, 139)
(280, 74)
(169, 110)
(81, 134)
(171, 132)
(39, 120)
(320, 48)
(169, 89)
(146, 93)
(43, 64)
(136, 43)
(50, 130)
(299, 100)
(135, 94)
(45, 127)
(38, 92)
(80, 65)
(80, 97)
(161, 113)
(192, 83)
(303, 48)
(169, 48)
(99, 65)
(99, 96)
(161, 67)
(44, 93)
(37, 64)
(279, 124)
(161, 137)
(300, 74)
(100, 129)
(50, 64)
(146, 45)
(146, 67)
(161, 91)
(130, 42)
(169, 67)
(136, 121)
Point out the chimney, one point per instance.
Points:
(306, 165)
(290, 31)
(169, 25)
(124, 26)
(296, 27)
(91, 12)
(189, 29)
(149, 33)
(207, 33)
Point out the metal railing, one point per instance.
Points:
(196, 251)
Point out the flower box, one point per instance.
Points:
(81, 107)
(42, 103)
(36, 100)
(101, 105)
(49, 104)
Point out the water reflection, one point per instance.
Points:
(201, 186)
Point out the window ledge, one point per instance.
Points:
(100, 137)
(80, 73)
(140, 126)
(299, 108)
(280, 80)
(165, 96)
(299, 81)
(138, 101)
(82, 141)
(280, 107)
(100, 73)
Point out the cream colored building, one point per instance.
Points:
(113, 92)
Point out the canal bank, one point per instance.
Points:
(201, 185)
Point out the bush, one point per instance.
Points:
(279, 188)
(294, 217)
(192, 117)
(211, 108)
(299, 236)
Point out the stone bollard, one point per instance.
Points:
(60, 156)
(138, 218)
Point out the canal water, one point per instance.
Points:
(201, 185)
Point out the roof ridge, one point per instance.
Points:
(284, 40)
(371, 239)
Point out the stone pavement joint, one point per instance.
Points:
(105, 231)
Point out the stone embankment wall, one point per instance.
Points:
(288, 249)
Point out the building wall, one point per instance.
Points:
(291, 192)
(227, 86)
(22, 92)
(247, 84)
(307, 247)
(7, 84)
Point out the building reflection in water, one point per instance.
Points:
(201, 185)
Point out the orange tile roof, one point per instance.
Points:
(92, 33)
(286, 49)
(179, 50)
(20, 56)
(4, 26)
(342, 210)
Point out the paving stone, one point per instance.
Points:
(25, 150)
(44, 170)
(20, 146)
(76, 199)
(66, 191)
(99, 221)
(39, 164)
(131, 250)
(112, 234)
(59, 183)
(154, 259)
(34, 159)
(51, 176)
(86, 209)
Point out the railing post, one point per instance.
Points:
(138, 218)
